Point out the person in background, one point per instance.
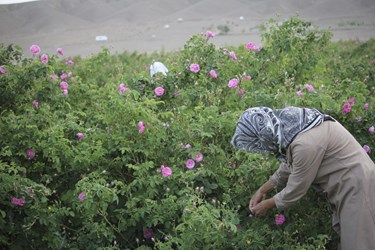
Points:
(314, 149)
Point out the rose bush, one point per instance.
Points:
(150, 165)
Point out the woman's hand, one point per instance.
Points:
(262, 207)
(257, 197)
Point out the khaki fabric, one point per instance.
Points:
(329, 156)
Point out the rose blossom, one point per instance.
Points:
(63, 76)
(346, 108)
(233, 55)
(141, 127)
(198, 157)
(30, 154)
(166, 171)
(80, 136)
(81, 196)
(44, 58)
(367, 148)
(233, 83)
(2, 70)
(34, 49)
(209, 34)
(309, 87)
(240, 92)
(148, 233)
(60, 51)
(18, 201)
(187, 146)
(159, 91)
(65, 92)
(371, 129)
(252, 46)
(64, 85)
(213, 73)
(280, 219)
(190, 163)
(366, 106)
(35, 104)
(299, 93)
(352, 100)
(122, 88)
(194, 67)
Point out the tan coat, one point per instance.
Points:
(329, 156)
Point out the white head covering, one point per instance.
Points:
(158, 67)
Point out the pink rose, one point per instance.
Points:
(233, 83)
(141, 127)
(159, 91)
(198, 157)
(166, 171)
(346, 108)
(299, 93)
(371, 129)
(213, 73)
(64, 85)
(190, 163)
(240, 92)
(63, 76)
(60, 51)
(2, 70)
(187, 146)
(252, 46)
(80, 136)
(367, 148)
(309, 87)
(65, 92)
(81, 196)
(233, 55)
(352, 100)
(148, 233)
(44, 58)
(209, 34)
(280, 219)
(194, 67)
(30, 154)
(122, 88)
(366, 106)
(69, 62)
(35, 104)
(34, 49)
(18, 202)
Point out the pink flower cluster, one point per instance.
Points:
(35, 104)
(367, 149)
(35, 50)
(141, 127)
(64, 86)
(190, 163)
(252, 46)
(18, 201)
(347, 106)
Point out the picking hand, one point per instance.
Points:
(257, 197)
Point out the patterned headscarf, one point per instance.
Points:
(263, 130)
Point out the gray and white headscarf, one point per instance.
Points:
(263, 130)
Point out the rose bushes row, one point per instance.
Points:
(98, 154)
